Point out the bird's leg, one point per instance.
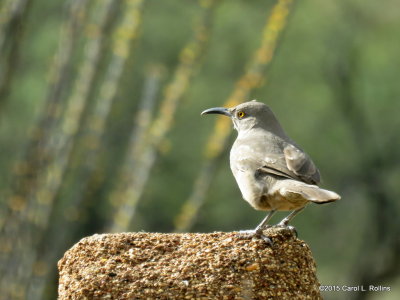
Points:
(258, 232)
(285, 222)
(264, 223)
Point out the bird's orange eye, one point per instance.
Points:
(241, 114)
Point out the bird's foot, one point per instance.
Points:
(255, 233)
(286, 227)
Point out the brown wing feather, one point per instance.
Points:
(276, 164)
(299, 163)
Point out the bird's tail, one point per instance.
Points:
(310, 192)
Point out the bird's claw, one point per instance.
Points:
(287, 227)
(257, 233)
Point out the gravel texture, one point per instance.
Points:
(220, 265)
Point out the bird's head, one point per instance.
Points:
(249, 115)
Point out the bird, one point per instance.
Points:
(273, 173)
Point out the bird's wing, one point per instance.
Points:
(290, 162)
(274, 156)
(274, 163)
(300, 164)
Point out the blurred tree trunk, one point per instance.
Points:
(83, 158)
(143, 120)
(33, 199)
(189, 61)
(18, 225)
(124, 38)
(39, 147)
(13, 16)
(253, 78)
(121, 49)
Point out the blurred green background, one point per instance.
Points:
(100, 127)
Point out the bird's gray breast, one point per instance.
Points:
(249, 153)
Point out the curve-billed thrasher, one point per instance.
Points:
(272, 172)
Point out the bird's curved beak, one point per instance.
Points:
(217, 110)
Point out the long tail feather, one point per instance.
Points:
(310, 192)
